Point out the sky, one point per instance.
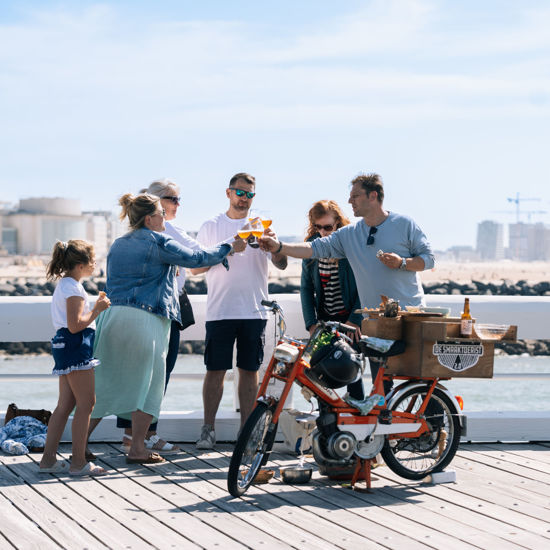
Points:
(448, 101)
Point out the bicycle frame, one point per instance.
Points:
(347, 416)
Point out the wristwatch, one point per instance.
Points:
(403, 266)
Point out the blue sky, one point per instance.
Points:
(448, 101)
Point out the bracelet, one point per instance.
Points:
(280, 248)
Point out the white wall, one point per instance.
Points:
(28, 318)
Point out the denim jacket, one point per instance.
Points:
(311, 290)
(141, 270)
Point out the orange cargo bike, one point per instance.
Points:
(416, 426)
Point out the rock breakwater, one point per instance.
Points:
(36, 287)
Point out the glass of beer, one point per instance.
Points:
(266, 218)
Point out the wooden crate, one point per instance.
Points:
(390, 328)
(434, 348)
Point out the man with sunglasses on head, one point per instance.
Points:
(234, 311)
(386, 250)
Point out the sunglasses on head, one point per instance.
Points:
(242, 193)
(329, 227)
(175, 200)
(370, 239)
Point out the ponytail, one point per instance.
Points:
(136, 207)
(67, 255)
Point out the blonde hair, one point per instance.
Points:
(67, 255)
(136, 207)
(160, 188)
(322, 208)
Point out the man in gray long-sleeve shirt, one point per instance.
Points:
(385, 250)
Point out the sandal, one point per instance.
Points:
(153, 458)
(155, 444)
(89, 456)
(60, 467)
(90, 469)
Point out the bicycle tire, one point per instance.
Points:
(252, 448)
(415, 458)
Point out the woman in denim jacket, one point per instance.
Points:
(328, 291)
(132, 337)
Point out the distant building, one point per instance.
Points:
(490, 240)
(529, 242)
(38, 223)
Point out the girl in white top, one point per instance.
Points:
(72, 350)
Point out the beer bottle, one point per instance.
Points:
(466, 320)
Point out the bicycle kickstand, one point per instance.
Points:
(362, 473)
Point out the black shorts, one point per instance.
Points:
(220, 339)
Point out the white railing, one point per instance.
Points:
(27, 319)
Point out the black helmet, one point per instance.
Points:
(336, 364)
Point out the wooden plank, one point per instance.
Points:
(499, 487)
(128, 506)
(202, 518)
(20, 531)
(241, 523)
(519, 487)
(364, 518)
(391, 523)
(505, 453)
(91, 516)
(534, 451)
(282, 508)
(487, 516)
(57, 524)
(400, 501)
(526, 477)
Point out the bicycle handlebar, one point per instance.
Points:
(340, 326)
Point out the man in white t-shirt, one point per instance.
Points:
(234, 311)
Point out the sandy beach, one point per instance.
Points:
(462, 272)
(533, 272)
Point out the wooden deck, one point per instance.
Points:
(501, 500)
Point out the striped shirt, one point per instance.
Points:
(330, 281)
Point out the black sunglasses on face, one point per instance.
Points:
(325, 227)
(372, 232)
(242, 193)
(175, 200)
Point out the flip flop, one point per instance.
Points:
(153, 443)
(89, 470)
(153, 458)
(60, 467)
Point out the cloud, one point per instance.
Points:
(98, 70)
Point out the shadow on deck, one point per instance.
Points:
(501, 500)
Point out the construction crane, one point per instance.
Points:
(517, 199)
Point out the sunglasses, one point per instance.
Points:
(175, 200)
(329, 227)
(242, 193)
(161, 213)
(370, 239)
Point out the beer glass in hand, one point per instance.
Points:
(266, 218)
(256, 230)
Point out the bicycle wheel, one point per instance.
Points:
(252, 448)
(415, 458)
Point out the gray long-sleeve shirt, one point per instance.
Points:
(397, 233)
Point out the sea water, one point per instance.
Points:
(502, 394)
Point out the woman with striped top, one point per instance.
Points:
(328, 290)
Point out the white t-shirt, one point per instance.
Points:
(237, 293)
(183, 238)
(67, 287)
